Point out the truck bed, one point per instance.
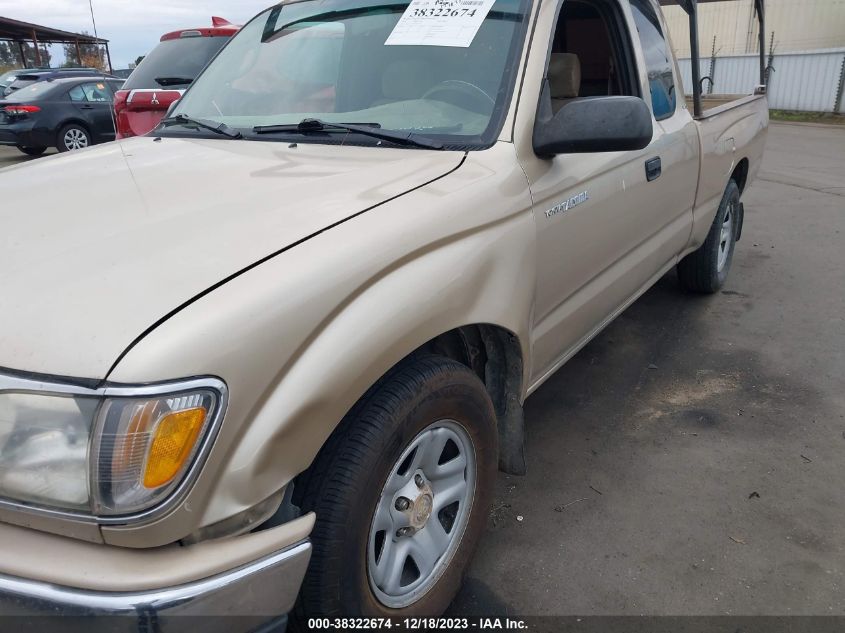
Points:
(713, 101)
(732, 132)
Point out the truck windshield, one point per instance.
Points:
(367, 63)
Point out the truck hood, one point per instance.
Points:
(99, 245)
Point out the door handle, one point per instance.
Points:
(653, 169)
(87, 107)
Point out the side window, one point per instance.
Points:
(658, 61)
(76, 94)
(589, 53)
(96, 92)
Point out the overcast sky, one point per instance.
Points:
(132, 26)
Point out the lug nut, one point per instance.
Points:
(405, 531)
(402, 504)
(418, 480)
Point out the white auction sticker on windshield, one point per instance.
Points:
(440, 23)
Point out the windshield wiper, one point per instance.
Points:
(214, 126)
(173, 81)
(368, 129)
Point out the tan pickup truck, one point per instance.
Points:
(268, 359)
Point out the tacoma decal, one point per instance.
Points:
(571, 203)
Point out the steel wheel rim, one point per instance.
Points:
(409, 549)
(75, 139)
(726, 238)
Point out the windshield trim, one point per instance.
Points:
(488, 138)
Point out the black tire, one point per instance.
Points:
(346, 480)
(32, 151)
(699, 271)
(72, 128)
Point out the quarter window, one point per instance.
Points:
(76, 94)
(658, 61)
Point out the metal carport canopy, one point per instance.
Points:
(18, 31)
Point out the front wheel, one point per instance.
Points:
(401, 492)
(706, 270)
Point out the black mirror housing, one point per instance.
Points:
(594, 124)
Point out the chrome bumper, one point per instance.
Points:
(255, 596)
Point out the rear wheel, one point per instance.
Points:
(32, 151)
(401, 492)
(706, 270)
(73, 137)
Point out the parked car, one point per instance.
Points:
(66, 113)
(284, 361)
(28, 77)
(9, 76)
(163, 75)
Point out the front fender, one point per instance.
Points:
(300, 338)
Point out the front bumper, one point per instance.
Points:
(256, 596)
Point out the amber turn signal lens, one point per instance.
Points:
(172, 445)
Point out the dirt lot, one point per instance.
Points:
(690, 459)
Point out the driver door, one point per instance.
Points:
(608, 223)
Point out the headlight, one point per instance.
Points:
(115, 451)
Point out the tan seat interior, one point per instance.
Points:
(564, 79)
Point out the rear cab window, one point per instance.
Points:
(182, 58)
(661, 79)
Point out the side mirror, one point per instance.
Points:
(594, 124)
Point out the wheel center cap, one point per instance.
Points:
(421, 511)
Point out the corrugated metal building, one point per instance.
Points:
(798, 25)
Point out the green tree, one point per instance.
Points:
(9, 56)
(32, 60)
(139, 59)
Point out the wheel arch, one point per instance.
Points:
(73, 121)
(740, 174)
(495, 354)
